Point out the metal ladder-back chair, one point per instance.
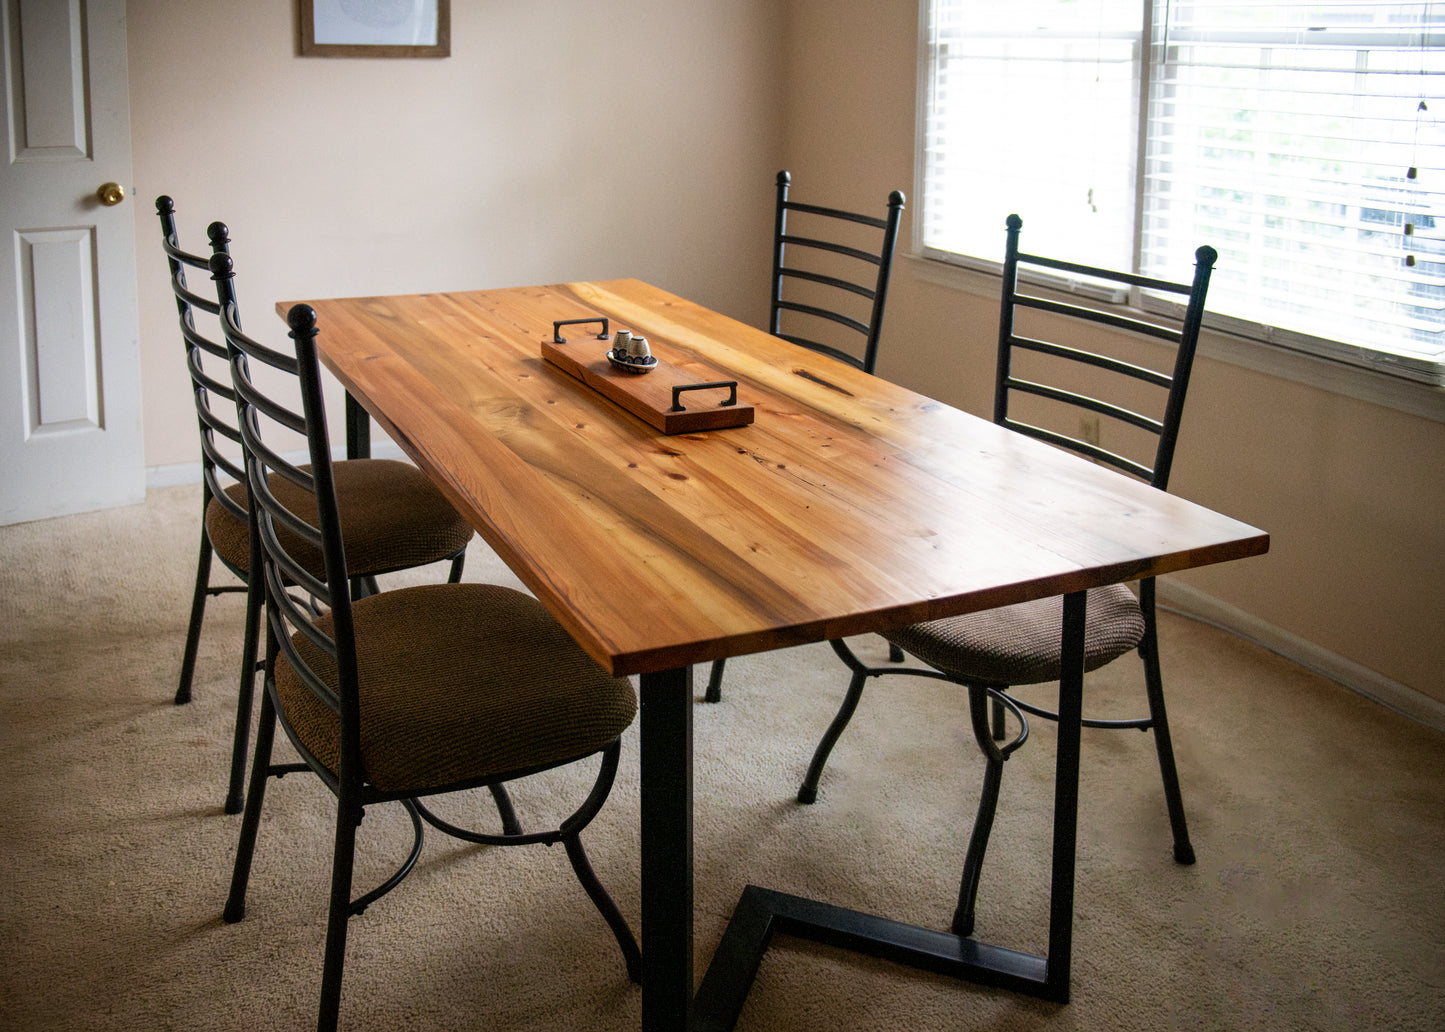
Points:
(990, 652)
(395, 516)
(829, 290)
(407, 693)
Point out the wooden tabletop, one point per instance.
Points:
(850, 504)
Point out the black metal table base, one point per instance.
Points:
(762, 912)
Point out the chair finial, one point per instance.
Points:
(301, 318)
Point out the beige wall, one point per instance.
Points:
(575, 139)
(1351, 492)
(570, 139)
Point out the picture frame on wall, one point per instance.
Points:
(376, 28)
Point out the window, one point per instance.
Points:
(1304, 141)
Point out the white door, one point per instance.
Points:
(70, 408)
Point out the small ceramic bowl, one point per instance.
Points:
(631, 364)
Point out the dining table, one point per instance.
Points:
(824, 503)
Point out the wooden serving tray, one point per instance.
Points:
(650, 396)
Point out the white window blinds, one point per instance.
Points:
(1302, 140)
(1033, 108)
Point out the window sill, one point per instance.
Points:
(1417, 399)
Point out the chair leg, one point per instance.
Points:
(631, 955)
(198, 614)
(895, 654)
(714, 682)
(1154, 682)
(505, 810)
(570, 835)
(999, 727)
(964, 913)
(251, 822)
(348, 818)
(458, 561)
(808, 791)
(982, 705)
(245, 697)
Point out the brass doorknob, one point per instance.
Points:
(111, 194)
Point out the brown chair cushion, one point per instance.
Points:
(392, 518)
(1020, 644)
(459, 682)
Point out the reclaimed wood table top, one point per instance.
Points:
(850, 504)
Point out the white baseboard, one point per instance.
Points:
(174, 475)
(1397, 696)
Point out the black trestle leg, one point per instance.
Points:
(1066, 797)
(666, 703)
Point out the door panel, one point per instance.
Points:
(57, 339)
(70, 412)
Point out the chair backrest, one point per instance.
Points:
(829, 260)
(267, 420)
(1071, 388)
(206, 361)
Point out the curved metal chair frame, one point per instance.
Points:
(980, 695)
(220, 468)
(216, 419)
(870, 282)
(990, 702)
(868, 279)
(212, 422)
(284, 615)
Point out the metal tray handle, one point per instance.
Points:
(731, 385)
(557, 337)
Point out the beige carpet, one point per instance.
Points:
(1319, 818)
